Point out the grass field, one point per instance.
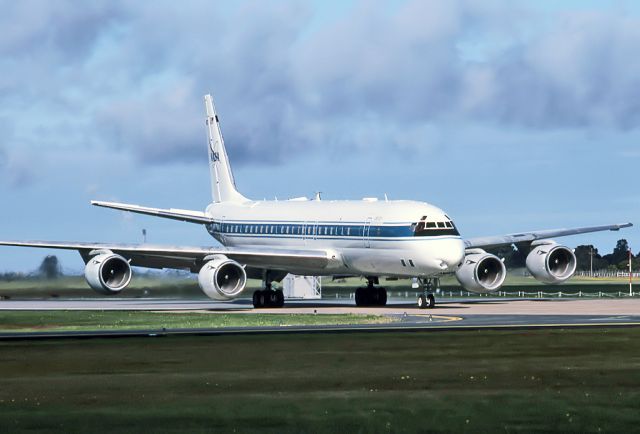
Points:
(50, 321)
(585, 380)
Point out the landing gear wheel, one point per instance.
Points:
(268, 298)
(382, 297)
(422, 302)
(426, 301)
(272, 298)
(371, 297)
(361, 299)
(258, 299)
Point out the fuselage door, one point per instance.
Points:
(366, 232)
(223, 239)
(310, 231)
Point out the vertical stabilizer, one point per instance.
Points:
(223, 186)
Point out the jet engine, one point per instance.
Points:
(481, 272)
(222, 278)
(551, 263)
(108, 273)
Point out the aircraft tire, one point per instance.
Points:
(422, 302)
(257, 299)
(360, 297)
(264, 299)
(382, 297)
(431, 301)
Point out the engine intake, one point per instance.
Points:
(108, 273)
(481, 272)
(551, 263)
(222, 278)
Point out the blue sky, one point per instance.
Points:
(509, 115)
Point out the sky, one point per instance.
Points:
(509, 115)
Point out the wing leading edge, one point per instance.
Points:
(192, 258)
(529, 237)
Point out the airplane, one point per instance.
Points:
(267, 240)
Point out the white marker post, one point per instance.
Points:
(630, 274)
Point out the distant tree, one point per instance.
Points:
(624, 265)
(11, 276)
(513, 258)
(50, 268)
(583, 258)
(620, 253)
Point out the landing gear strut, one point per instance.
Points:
(371, 295)
(426, 299)
(268, 297)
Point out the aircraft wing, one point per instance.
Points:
(172, 213)
(192, 258)
(529, 237)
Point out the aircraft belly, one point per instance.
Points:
(401, 258)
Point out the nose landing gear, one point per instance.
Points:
(426, 300)
(371, 295)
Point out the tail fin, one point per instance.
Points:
(223, 186)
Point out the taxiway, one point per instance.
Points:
(476, 314)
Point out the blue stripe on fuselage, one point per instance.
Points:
(346, 231)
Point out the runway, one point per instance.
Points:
(448, 315)
(461, 306)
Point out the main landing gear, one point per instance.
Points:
(426, 300)
(268, 297)
(371, 295)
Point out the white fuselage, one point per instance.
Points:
(373, 238)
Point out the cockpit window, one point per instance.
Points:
(438, 226)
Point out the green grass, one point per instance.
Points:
(28, 321)
(585, 380)
(76, 287)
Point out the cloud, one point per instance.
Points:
(130, 76)
(67, 29)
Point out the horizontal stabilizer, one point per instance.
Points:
(174, 214)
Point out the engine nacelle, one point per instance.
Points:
(221, 278)
(481, 272)
(551, 263)
(108, 273)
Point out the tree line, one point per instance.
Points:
(50, 268)
(618, 259)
